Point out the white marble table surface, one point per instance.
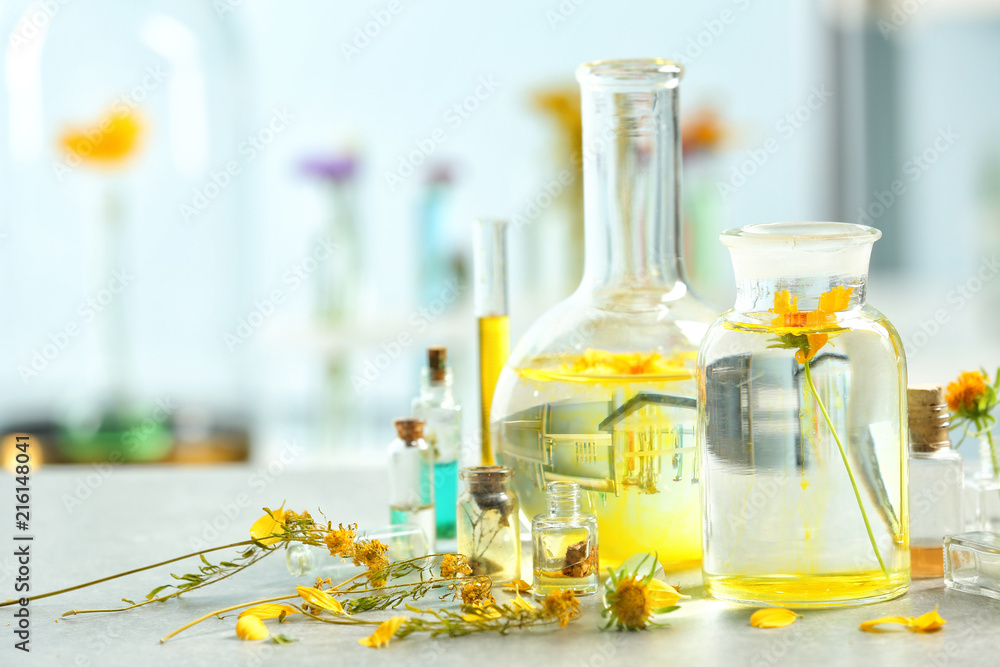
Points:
(89, 522)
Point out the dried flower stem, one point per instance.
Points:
(125, 574)
(222, 611)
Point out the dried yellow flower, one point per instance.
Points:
(383, 633)
(478, 593)
(340, 542)
(773, 617)
(562, 605)
(454, 565)
(373, 555)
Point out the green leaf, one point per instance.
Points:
(127, 600)
(152, 594)
(283, 639)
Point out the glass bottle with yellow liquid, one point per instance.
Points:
(803, 426)
(600, 391)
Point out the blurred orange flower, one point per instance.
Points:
(109, 140)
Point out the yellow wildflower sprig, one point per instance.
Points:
(971, 399)
(560, 608)
(807, 332)
(318, 599)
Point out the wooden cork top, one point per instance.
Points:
(437, 362)
(409, 429)
(928, 417)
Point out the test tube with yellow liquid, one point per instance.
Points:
(490, 250)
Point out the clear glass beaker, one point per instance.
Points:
(802, 426)
(600, 391)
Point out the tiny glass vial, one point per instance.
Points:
(442, 417)
(972, 563)
(564, 544)
(935, 481)
(489, 532)
(411, 478)
(404, 541)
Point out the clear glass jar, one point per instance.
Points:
(489, 533)
(936, 481)
(564, 544)
(802, 426)
(984, 491)
(442, 417)
(600, 391)
(411, 478)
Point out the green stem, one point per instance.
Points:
(847, 464)
(993, 452)
(125, 574)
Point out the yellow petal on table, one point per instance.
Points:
(263, 611)
(773, 618)
(664, 595)
(320, 599)
(383, 633)
(268, 525)
(251, 628)
(477, 613)
(521, 603)
(519, 585)
(929, 622)
(871, 626)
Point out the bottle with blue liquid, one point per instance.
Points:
(442, 417)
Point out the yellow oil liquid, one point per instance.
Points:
(809, 590)
(494, 347)
(649, 499)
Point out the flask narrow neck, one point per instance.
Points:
(631, 155)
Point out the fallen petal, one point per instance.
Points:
(383, 633)
(263, 611)
(251, 628)
(929, 622)
(869, 626)
(773, 618)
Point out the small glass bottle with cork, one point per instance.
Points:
(411, 478)
(442, 417)
(489, 532)
(564, 544)
(935, 481)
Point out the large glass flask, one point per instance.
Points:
(802, 426)
(600, 391)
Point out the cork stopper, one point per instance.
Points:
(409, 429)
(437, 363)
(928, 417)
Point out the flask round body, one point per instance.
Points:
(802, 426)
(600, 391)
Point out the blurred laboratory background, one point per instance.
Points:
(229, 229)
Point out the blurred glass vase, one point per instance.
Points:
(802, 426)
